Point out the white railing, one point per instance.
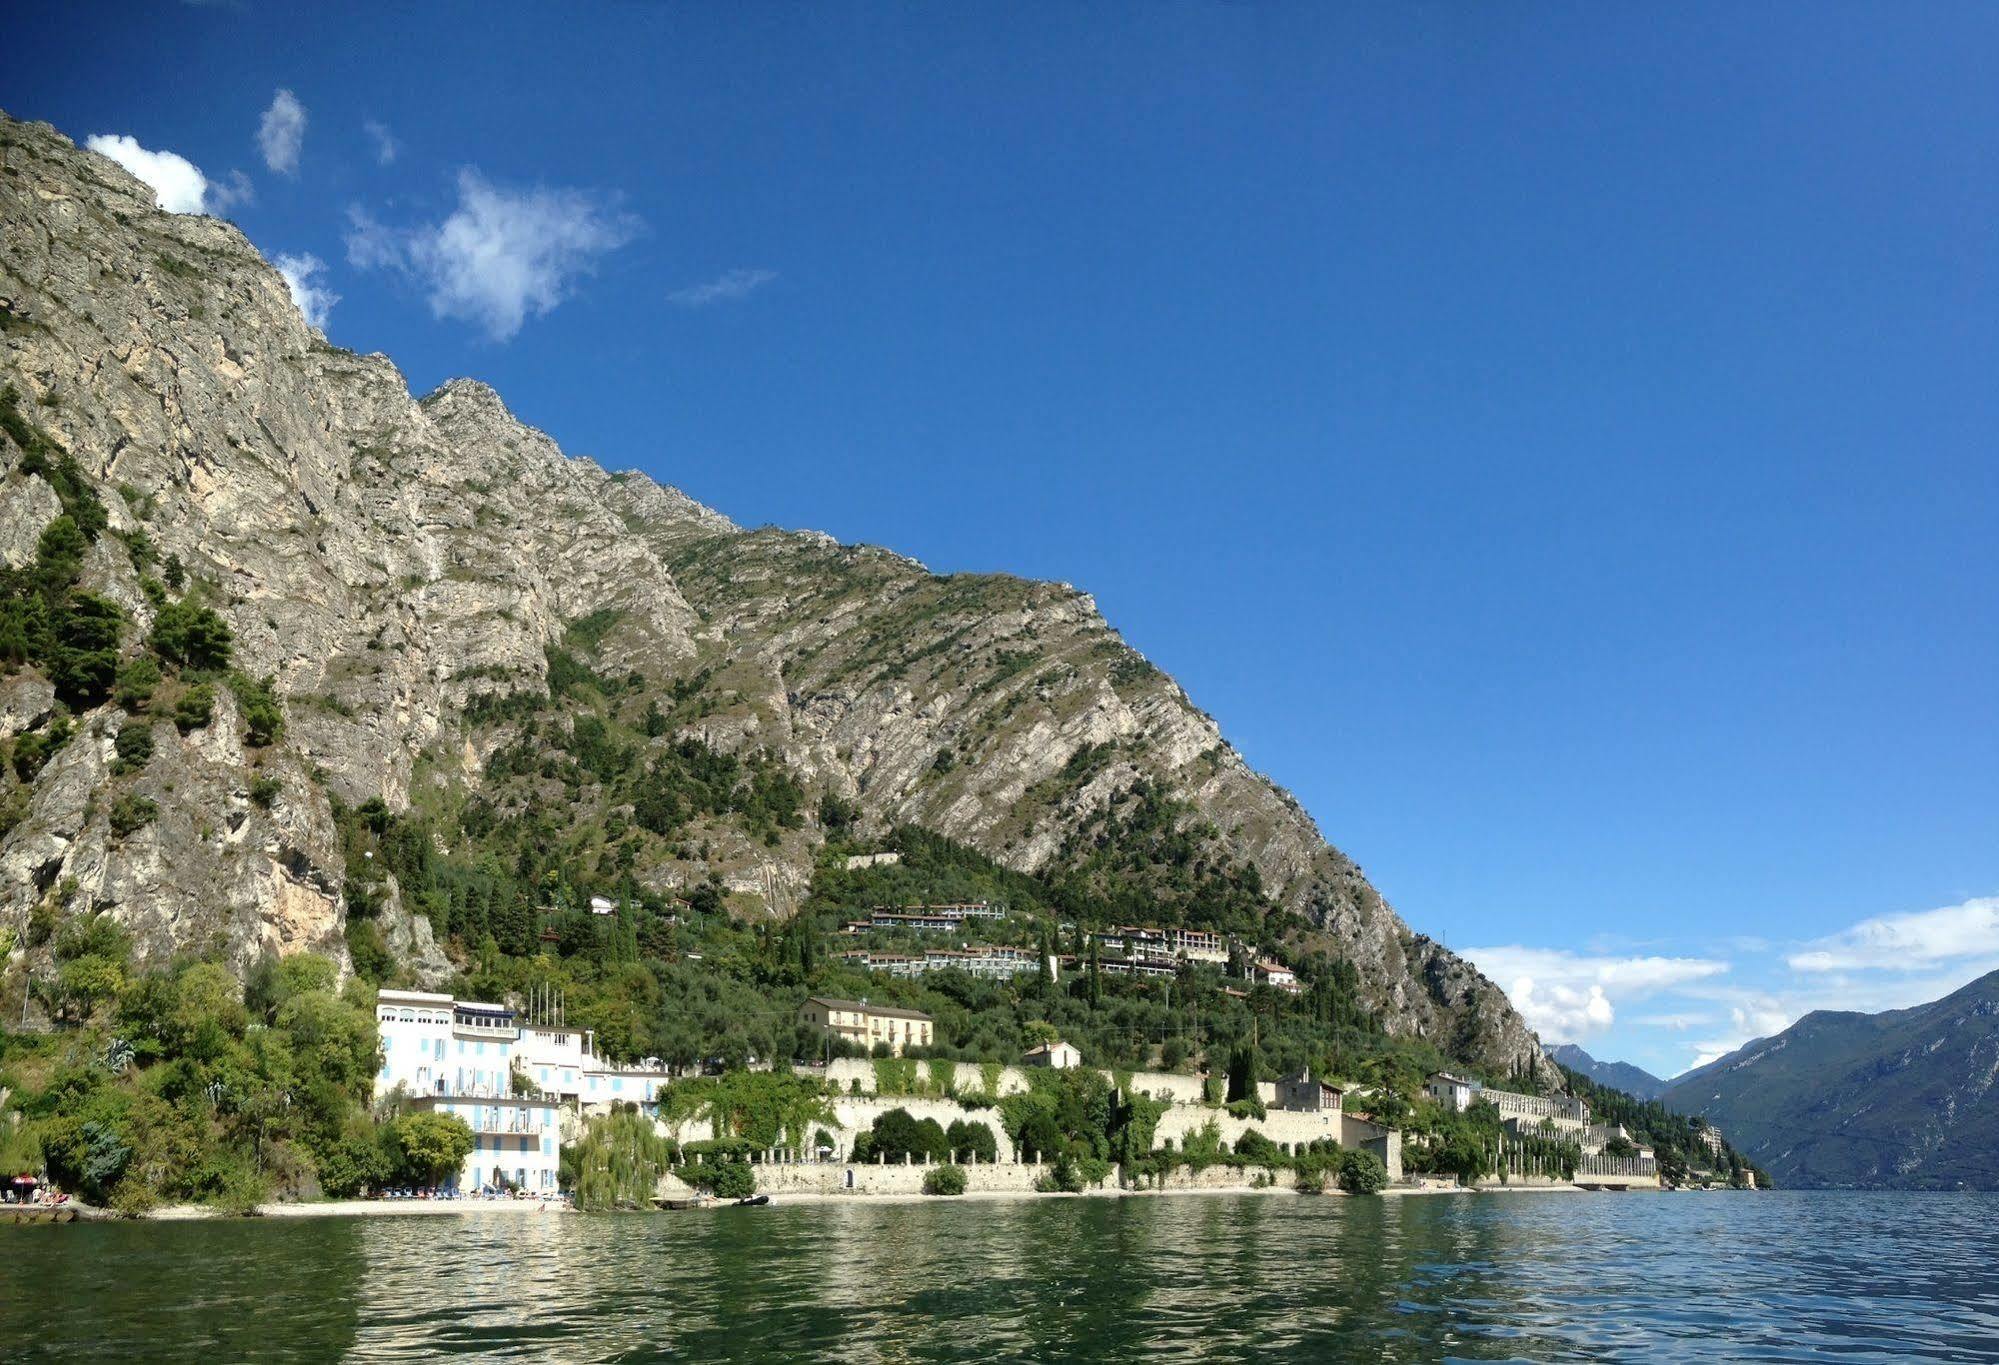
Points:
(1635, 1166)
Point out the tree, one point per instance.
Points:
(59, 554)
(86, 982)
(352, 1163)
(618, 1162)
(896, 1136)
(430, 1147)
(83, 662)
(1242, 1072)
(971, 1140)
(191, 635)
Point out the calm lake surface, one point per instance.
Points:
(1781, 1276)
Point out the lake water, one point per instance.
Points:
(1781, 1276)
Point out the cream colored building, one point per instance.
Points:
(1058, 1056)
(865, 1025)
(1457, 1093)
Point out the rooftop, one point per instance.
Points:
(390, 997)
(863, 1007)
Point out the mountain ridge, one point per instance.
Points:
(1902, 1099)
(1632, 1080)
(398, 567)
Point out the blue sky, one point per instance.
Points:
(1557, 442)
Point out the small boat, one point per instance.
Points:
(755, 1201)
(699, 1201)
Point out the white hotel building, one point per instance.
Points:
(460, 1057)
(1459, 1093)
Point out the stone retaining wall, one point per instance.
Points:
(969, 1078)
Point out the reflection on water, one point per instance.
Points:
(1777, 1276)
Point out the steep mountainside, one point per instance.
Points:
(1905, 1099)
(1634, 1081)
(423, 582)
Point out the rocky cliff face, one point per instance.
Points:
(386, 560)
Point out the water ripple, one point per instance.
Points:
(1786, 1276)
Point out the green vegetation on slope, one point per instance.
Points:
(1901, 1099)
(1672, 1136)
(182, 1085)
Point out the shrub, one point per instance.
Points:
(132, 1198)
(33, 751)
(263, 717)
(131, 812)
(195, 708)
(135, 748)
(264, 791)
(944, 1180)
(1062, 1178)
(1362, 1172)
(371, 956)
(724, 1176)
(135, 683)
(1258, 1148)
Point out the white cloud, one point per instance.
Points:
(281, 134)
(1560, 1013)
(1759, 1016)
(385, 142)
(1567, 997)
(502, 255)
(309, 292)
(178, 184)
(1676, 1023)
(1907, 942)
(734, 284)
(224, 195)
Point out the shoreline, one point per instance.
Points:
(504, 1208)
(481, 1208)
(364, 1208)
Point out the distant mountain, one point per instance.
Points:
(1908, 1099)
(1632, 1080)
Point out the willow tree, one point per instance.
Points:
(618, 1162)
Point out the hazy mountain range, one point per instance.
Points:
(1632, 1080)
(1904, 1099)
